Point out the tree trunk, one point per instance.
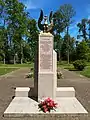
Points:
(68, 56)
(3, 58)
(14, 60)
(21, 54)
(68, 45)
(59, 55)
(21, 61)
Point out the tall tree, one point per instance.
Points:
(17, 24)
(68, 12)
(58, 41)
(89, 28)
(63, 19)
(82, 50)
(3, 29)
(59, 27)
(82, 29)
(32, 37)
(65, 47)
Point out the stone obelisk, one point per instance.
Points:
(47, 67)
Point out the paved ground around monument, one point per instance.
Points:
(17, 78)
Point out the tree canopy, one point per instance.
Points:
(19, 34)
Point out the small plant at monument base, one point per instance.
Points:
(47, 105)
(59, 75)
(29, 75)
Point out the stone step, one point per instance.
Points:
(65, 92)
(68, 108)
(22, 91)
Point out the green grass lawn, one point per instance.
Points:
(16, 65)
(85, 72)
(6, 70)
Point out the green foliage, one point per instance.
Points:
(68, 44)
(15, 27)
(79, 64)
(57, 45)
(82, 51)
(30, 75)
(59, 75)
(32, 39)
(86, 72)
(62, 21)
(17, 65)
(84, 29)
(6, 70)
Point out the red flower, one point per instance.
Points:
(45, 109)
(47, 105)
(48, 100)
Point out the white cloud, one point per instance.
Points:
(29, 4)
(73, 26)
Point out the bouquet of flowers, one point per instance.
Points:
(47, 105)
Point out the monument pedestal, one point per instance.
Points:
(47, 71)
(46, 86)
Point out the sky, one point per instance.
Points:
(82, 8)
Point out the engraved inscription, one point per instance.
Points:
(46, 47)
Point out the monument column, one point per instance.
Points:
(46, 83)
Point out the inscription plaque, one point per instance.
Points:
(46, 49)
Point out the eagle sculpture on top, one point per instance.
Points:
(45, 27)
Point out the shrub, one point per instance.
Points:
(32, 69)
(59, 75)
(79, 64)
(30, 75)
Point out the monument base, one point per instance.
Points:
(68, 108)
(46, 85)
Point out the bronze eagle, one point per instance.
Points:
(45, 27)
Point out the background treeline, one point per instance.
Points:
(19, 34)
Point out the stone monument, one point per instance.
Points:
(45, 85)
(47, 65)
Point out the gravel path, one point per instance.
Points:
(7, 85)
(17, 78)
(81, 85)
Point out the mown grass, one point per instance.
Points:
(85, 72)
(16, 65)
(6, 70)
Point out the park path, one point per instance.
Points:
(17, 78)
(81, 85)
(7, 84)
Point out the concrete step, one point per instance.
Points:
(68, 108)
(22, 91)
(65, 92)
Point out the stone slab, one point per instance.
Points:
(26, 107)
(55, 72)
(65, 92)
(46, 85)
(47, 80)
(45, 52)
(22, 91)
